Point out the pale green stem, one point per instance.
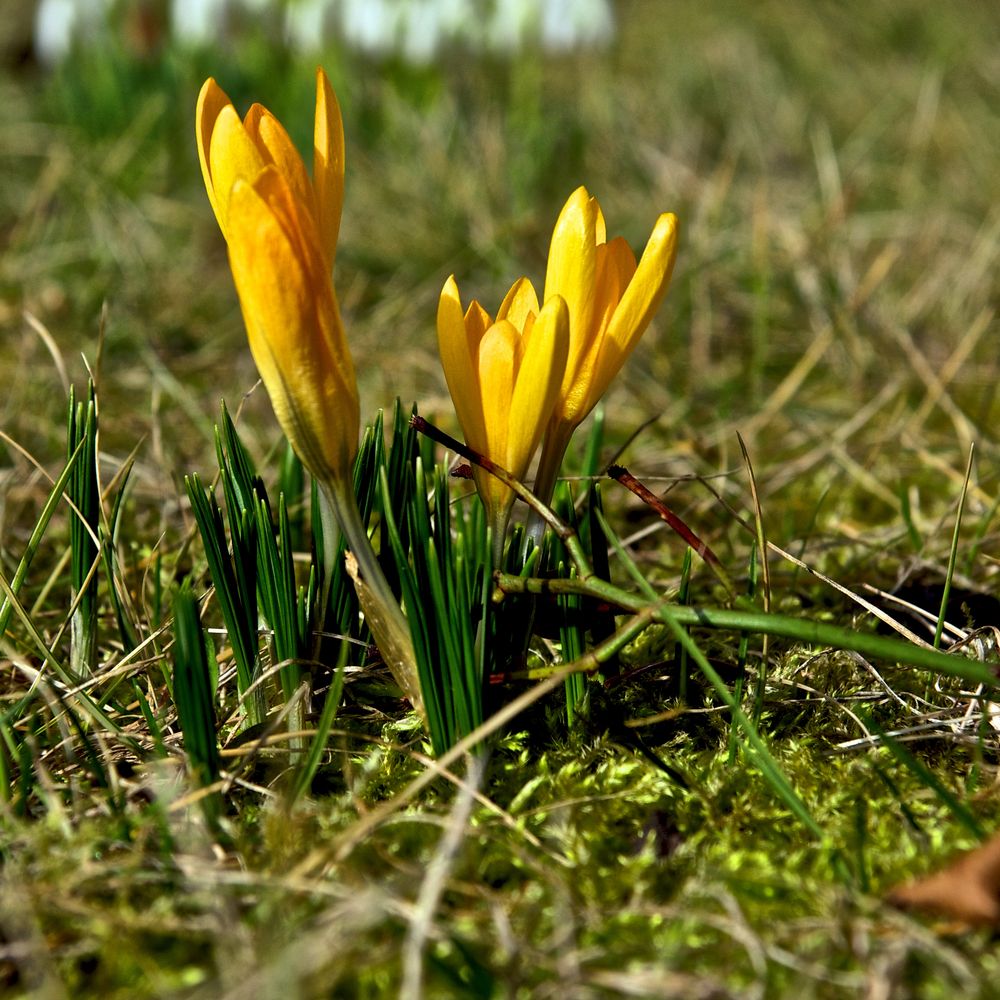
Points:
(499, 520)
(382, 612)
(554, 446)
(331, 542)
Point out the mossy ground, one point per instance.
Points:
(834, 169)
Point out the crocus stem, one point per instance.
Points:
(383, 614)
(331, 543)
(554, 446)
(498, 533)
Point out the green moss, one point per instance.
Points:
(836, 181)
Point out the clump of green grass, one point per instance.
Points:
(833, 303)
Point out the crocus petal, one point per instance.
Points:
(477, 322)
(297, 223)
(629, 320)
(276, 147)
(231, 155)
(600, 227)
(504, 379)
(538, 382)
(615, 268)
(328, 164)
(571, 271)
(296, 337)
(499, 360)
(519, 303)
(211, 100)
(646, 289)
(458, 359)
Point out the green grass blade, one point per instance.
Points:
(115, 587)
(194, 693)
(37, 534)
(927, 778)
(953, 553)
(84, 493)
(234, 579)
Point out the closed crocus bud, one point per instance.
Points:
(281, 227)
(611, 301)
(504, 377)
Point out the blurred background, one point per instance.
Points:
(833, 166)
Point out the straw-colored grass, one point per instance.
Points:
(834, 169)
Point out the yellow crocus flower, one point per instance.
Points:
(611, 301)
(504, 377)
(281, 228)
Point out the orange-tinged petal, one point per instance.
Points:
(615, 268)
(296, 337)
(477, 322)
(646, 289)
(572, 269)
(538, 380)
(271, 185)
(520, 302)
(273, 188)
(275, 146)
(638, 305)
(328, 164)
(296, 221)
(601, 227)
(498, 362)
(458, 359)
(231, 155)
(211, 100)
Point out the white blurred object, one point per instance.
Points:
(305, 24)
(567, 24)
(417, 27)
(58, 22)
(512, 23)
(414, 28)
(197, 22)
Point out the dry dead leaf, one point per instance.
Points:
(968, 890)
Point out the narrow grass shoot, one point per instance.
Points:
(232, 563)
(85, 495)
(445, 579)
(572, 634)
(953, 552)
(680, 651)
(194, 690)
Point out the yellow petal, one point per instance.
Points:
(296, 337)
(211, 100)
(615, 268)
(458, 359)
(231, 155)
(276, 147)
(629, 320)
(296, 221)
(520, 302)
(571, 271)
(328, 164)
(538, 380)
(645, 291)
(601, 227)
(499, 359)
(477, 322)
